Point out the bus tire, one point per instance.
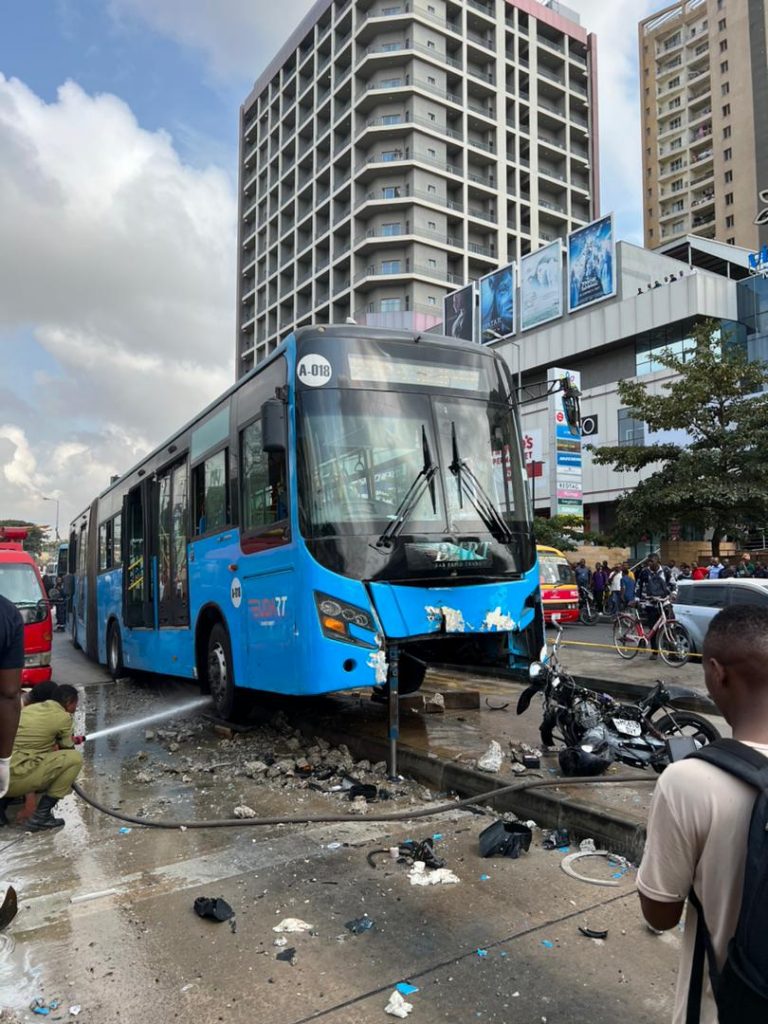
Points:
(227, 698)
(75, 641)
(115, 652)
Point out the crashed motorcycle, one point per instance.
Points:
(598, 730)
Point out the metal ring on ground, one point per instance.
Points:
(566, 863)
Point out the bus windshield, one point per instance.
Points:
(362, 451)
(20, 585)
(554, 570)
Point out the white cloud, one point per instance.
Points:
(120, 259)
(238, 37)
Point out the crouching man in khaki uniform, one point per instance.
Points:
(36, 767)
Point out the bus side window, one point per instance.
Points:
(103, 559)
(211, 494)
(117, 531)
(263, 481)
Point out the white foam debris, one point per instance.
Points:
(377, 660)
(496, 622)
(397, 1006)
(293, 924)
(451, 617)
(440, 876)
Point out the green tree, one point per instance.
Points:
(35, 538)
(717, 479)
(562, 532)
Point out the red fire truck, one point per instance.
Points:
(21, 583)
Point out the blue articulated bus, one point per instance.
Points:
(350, 512)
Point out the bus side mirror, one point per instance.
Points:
(274, 426)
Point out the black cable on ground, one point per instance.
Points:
(316, 819)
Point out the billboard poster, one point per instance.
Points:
(565, 488)
(459, 313)
(541, 286)
(591, 264)
(497, 305)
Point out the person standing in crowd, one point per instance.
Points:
(652, 586)
(746, 569)
(715, 568)
(614, 586)
(11, 665)
(628, 586)
(674, 572)
(599, 583)
(761, 570)
(685, 572)
(700, 572)
(581, 572)
(728, 571)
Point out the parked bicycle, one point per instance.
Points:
(631, 635)
(588, 610)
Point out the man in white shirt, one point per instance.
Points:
(700, 815)
(715, 568)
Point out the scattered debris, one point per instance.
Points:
(214, 908)
(505, 838)
(485, 878)
(587, 846)
(482, 953)
(591, 933)
(361, 789)
(86, 896)
(397, 1006)
(282, 941)
(75, 1010)
(405, 988)
(492, 758)
(439, 876)
(293, 924)
(243, 811)
(531, 761)
(556, 839)
(288, 956)
(496, 707)
(424, 851)
(567, 865)
(360, 925)
(547, 944)
(9, 907)
(124, 831)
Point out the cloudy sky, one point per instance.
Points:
(118, 171)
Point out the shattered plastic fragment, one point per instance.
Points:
(492, 758)
(507, 838)
(587, 846)
(451, 617)
(282, 941)
(287, 955)
(440, 876)
(216, 909)
(360, 925)
(556, 839)
(293, 924)
(482, 953)
(405, 988)
(547, 944)
(495, 621)
(591, 933)
(397, 1006)
(74, 1010)
(124, 831)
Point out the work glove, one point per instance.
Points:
(5, 775)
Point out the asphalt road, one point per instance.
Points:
(137, 951)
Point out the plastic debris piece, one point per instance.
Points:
(556, 839)
(482, 953)
(592, 933)
(423, 851)
(86, 896)
(394, 852)
(287, 955)
(503, 953)
(530, 823)
(75, 1010)
(360, 925)
(293, 924)
(440, 876)
(587, 846)
(547, 944)
(243, 811)
(505, 838)
(54, 1004)
(484, 878)
(567, 865)
(124, 831)
(397, 1006)
(405, 988)
(531, 761)
(282, 941)
(41, 1011)
(437, 837)
(492, 758)
(334, 846)
(364, 790)
(216, 909)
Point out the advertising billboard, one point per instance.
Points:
(566, 496)
(541, 286)
(497, 305)
(591, 264)
(459, 313)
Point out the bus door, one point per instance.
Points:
(138, 612)
(171, 546)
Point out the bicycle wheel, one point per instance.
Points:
(627, 636)
(674, 644)
(588, 613)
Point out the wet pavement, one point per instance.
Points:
(106, 920)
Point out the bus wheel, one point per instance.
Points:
(115, 652)
(226, 697)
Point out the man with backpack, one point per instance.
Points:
(707, 837)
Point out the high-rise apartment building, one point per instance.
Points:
(704, 92)
(396, 149)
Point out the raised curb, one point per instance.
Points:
(550, 807)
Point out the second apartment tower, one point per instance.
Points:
(395, 150)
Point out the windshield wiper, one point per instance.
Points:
(424, 479)
(469, 484)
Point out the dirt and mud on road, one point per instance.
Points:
(106, 930)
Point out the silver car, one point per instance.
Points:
(697, 603)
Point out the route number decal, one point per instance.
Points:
(314, 371)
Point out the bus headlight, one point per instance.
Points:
(338, 620)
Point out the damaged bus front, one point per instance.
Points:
(412, 507)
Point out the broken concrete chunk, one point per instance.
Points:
(243, 811)
(492, 758)
(143, 777)
(254, 768)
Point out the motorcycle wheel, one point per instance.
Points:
(588, 613)
(626, 638)
(687, 723)
(674, 644)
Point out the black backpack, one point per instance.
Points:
(656, 584)
(741, 989)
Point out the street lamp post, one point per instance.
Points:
(57, 513)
